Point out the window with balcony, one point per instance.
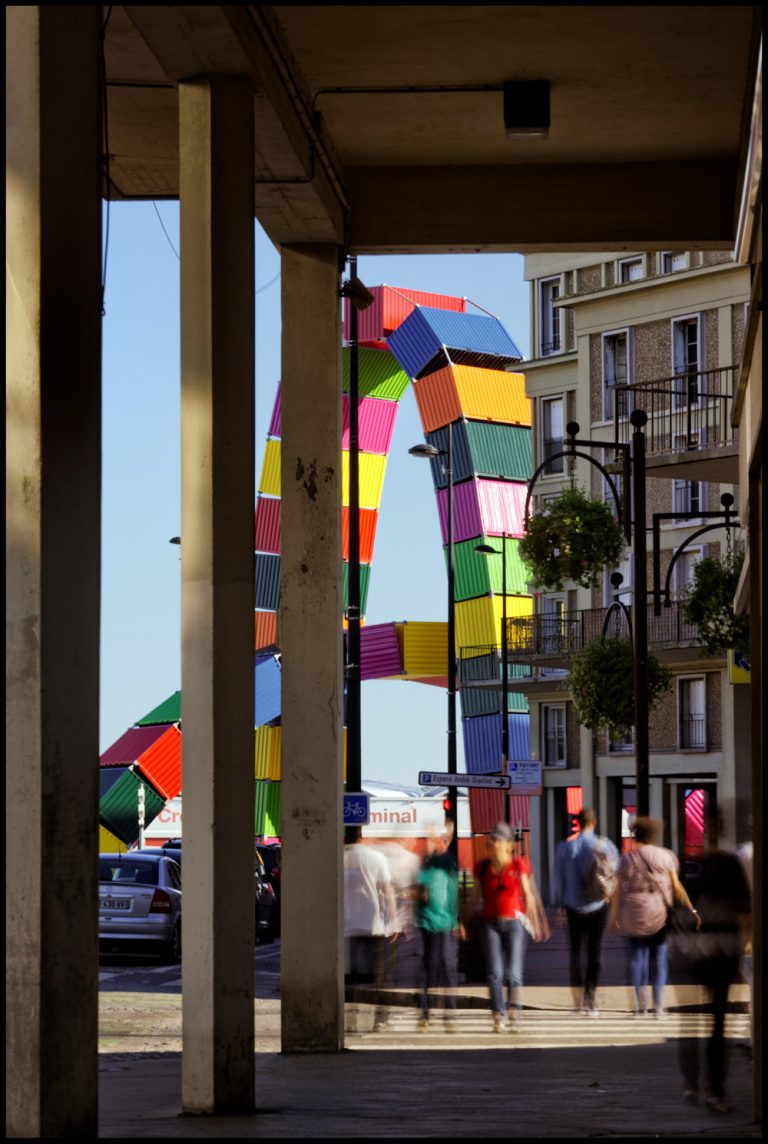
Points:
(553, 746)
(550, 341)
(622, 743)
(671, 261)
(691, 705)
(630, 269)
(552, 419)
(688, 497)
(683, 570)
(553, 633)
(616, 368)
(687, 360)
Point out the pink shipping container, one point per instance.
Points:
(376, 423)
(267, 538)
(131, 745)
(391, 306)
(274, 424)
(486, 808)
(471, 392)
(379, 652)
(490, 507)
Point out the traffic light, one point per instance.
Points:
(446, 804)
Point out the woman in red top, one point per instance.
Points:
(510, 909)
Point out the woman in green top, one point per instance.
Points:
(436, 915)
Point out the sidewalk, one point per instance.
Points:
(396, 1084)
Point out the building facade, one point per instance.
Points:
(661, 331)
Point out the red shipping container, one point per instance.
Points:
(391, 306)
(267, 534)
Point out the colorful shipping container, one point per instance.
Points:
(457, 391)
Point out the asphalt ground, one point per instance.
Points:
(560, 1076)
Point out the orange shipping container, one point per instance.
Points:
(468, 391)
(266, 629)
(368, 520)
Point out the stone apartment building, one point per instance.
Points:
(661, 331)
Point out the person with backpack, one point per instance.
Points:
(584, 880)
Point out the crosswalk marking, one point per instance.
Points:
(542, 1029)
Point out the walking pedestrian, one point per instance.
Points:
(584, 880)
(437, 916)
(710, 957)
(647, 885)
(369, 915)
(510, 908)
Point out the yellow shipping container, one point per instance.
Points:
(109, 843)
(270, 470)
(478, 622)
(492, 395)
(423, 648)
(268, 743)
(372, 468)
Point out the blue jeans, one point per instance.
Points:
(503, 942)
(439, 967)
(648, 965)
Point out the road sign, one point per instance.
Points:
(356, 809)
(438, 778)
(526, 776)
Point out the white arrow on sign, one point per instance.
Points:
(437, 778)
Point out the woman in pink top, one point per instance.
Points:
(647, 886)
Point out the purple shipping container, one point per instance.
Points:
(379, 652)
(132, 745)
(267, 538)
(274, 424)
(376, 423)
(483, 508)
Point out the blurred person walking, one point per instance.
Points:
(510, 909)
(437, 917)
(710, 957)
(647, 886)
(584, 881)
(369, 915)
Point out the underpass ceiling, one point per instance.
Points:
(646, 145)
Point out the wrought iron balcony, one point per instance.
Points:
(689, 418)
(546, 639)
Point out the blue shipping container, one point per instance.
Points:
(268, 699)
(426, 333)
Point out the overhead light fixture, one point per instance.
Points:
(526, 109)
(358, 294)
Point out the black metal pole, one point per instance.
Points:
(504, 679)
(452, 769)
(640, 641)
(354, 760)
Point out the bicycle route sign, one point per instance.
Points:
(357, 809)
(439, 778)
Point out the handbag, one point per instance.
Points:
(680, 919)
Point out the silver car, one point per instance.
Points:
(140, 902)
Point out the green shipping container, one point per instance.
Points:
(479, 573)
(119, 807)
(480, 701)
(267, 808)
(502, 451)
(169, 711)
(365, 576)
(379, 374)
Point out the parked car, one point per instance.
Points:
(271, 854)
(266, 902)
(140, 902)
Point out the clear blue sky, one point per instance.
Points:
(403, 724)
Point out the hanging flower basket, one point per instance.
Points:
(601, 683)
(572, 538)
(708, 604)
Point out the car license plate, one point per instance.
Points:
(115, 904)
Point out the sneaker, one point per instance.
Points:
(660, 1014)
(380, 1027)
(423, 1025)
(593, 1012)
(499, 1024)
(637, 1013)
(718, 1104)
(450, 1025)
(690, 1096)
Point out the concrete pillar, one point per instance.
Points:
(310, 618)
(217, 596)
(53, 502)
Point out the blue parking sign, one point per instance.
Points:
(356, 809)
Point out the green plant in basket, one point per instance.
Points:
(601, 683)
(572, 538)
(708, 604)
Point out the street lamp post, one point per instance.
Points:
(430, 451)
(488, 550)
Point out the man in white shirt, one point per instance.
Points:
(369, 915)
